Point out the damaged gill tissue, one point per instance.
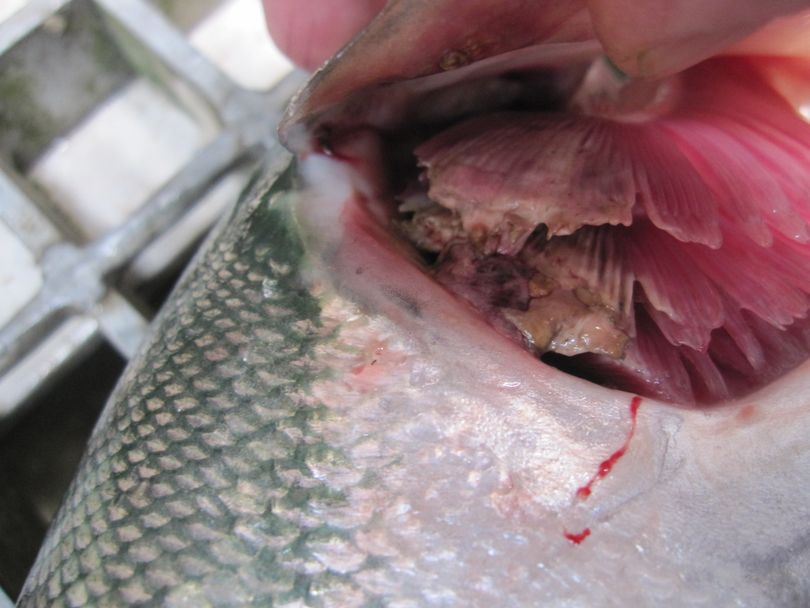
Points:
(514, 329)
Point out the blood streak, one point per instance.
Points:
(606, 466)
(577, 537)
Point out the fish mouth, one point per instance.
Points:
(645, 236)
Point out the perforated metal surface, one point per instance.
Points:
(121, 141)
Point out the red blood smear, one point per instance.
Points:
(577, 537)
(606, 466)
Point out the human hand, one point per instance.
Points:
(643, 37)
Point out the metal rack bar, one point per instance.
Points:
(76, 305)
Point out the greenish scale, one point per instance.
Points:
(184, 496)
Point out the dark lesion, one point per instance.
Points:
(533, 294)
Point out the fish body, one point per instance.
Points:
(316, 422)
(307, 427)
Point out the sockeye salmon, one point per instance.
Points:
(342, 403)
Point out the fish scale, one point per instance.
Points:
(186, 483)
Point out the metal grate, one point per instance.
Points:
(126, 127)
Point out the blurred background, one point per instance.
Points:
(127, 128)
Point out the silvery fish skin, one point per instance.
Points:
(313, 423)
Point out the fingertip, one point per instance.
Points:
(311, 31)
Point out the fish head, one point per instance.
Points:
(676, 201)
